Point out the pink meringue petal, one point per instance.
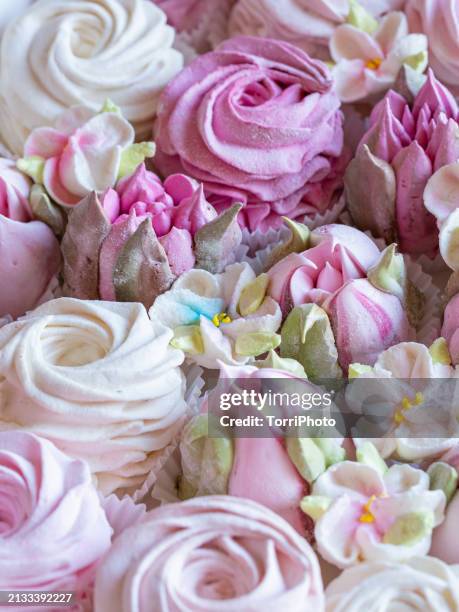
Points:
(45, 142)
(349, 43)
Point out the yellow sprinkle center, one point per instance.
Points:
(374, 63)
(368, 516)
(221, 317)
(405, 405)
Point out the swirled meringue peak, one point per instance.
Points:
(53, 530)
(206, 554)
(60, 54)
(257, 122)
(99, 379)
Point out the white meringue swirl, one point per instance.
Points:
(422, 584)
(61, 54)
(99, 379)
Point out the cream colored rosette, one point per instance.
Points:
(421, 584)
(61, 54)
(100, 380)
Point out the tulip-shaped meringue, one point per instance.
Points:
(411, 136)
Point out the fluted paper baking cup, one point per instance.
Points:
(256, 247)
(122, 513)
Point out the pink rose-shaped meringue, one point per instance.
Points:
(257, 122)
(210, 553)
(366, 322)
(368, 63)
(53, 530)
(406, 143)
(338, 254)
(450, 329)
(82, 153)
(29, 251)
(439, 20)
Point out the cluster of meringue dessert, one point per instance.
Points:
(197, 192)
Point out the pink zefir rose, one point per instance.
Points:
(257, 122)
(29, 251)
(212, 553)
(53, 529)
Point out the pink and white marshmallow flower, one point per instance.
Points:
(204, 311)
(401, 392)
(81, 154)
(367, 512)
(441, 198)
(368, 60)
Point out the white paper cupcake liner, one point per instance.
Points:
(430, 324)
(256, 247)
(183, 45)
(165, 490)
(160, 459)
(331, 215)
(122, 513)
(211, 30)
